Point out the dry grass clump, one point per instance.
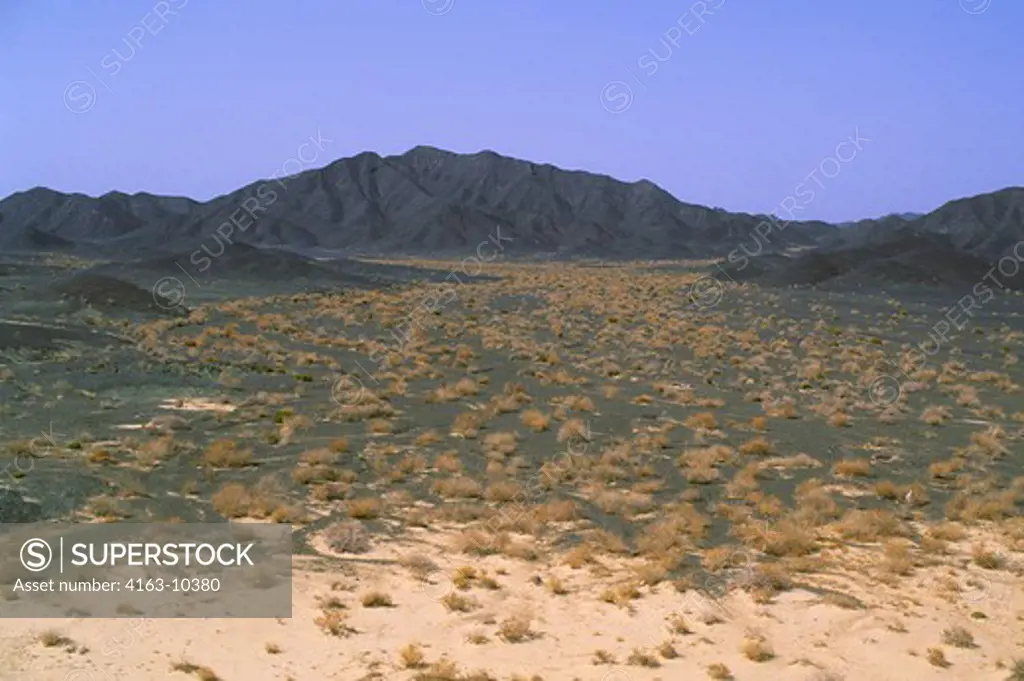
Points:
(535, 420)
(226, 454)
(467, 387)
(757, 446)
(200, 672)
(467, 425)
(852, 468)
(677, 624)
(347, 537)
(377, 599)
(937, 657)
(322, 456)
(500, 445)
(783, 409)
(456, 602)
(985, 558)
(235, 500)
(573, 430)
(516, 629)
(412, 657)
(479, 542)
(989, 442)
(935, 415)
(719, 672)
(839, 419)
(448, 462)
(334, 621)
(503, 491)
(788, 537)
(704, 420)
(642, 658)
(871, 525)
(946, 470)
(366, 508)
(898, 560)
(621, 594)
(971, 506)
(556, 511)
(51, 638)
(958, 637)
(556, 586)
(756, 649)
(442, 670)
(947, 532)
(459, 487)
(668, 651)
(427, 438)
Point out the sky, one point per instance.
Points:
(880, 106)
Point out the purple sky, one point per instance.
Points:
(744, 105)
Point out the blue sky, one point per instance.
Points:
(748, 98)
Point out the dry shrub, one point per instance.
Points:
(556, 511)
(334, 622)
(790, 538)
(621, 594)
(481, 543)
(426, 438)
(852, 468)
(871, 525)
(458, 487)
(839, 420)
(573, 430)
(366, 508)
(719, 672)
(347, 537)
(757, 446)
(502, 444)
(377, 599)
(642, 658)
(935, 416)
(448, 462)
(467, 424)
(456, 602)
(985, 558)
(412, 657)
(677, 624)
(898, 560)
(756, 649)
(535, 420)
(958, 637)
(515, 629)
(226, 454)
(503, 491)
(232, 500)
(937, 657)
(704, 420)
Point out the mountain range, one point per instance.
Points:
(428, 201)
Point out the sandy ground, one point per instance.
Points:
(811, 637)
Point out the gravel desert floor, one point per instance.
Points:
(619, 472)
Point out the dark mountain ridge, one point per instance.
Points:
(424, 201)
(428, 201)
